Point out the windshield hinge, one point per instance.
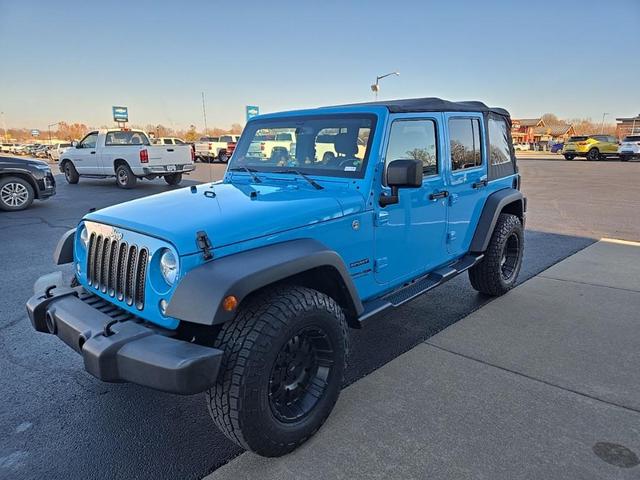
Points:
(204, 244)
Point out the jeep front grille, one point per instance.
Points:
(117, 269)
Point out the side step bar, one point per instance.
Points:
(417, 287)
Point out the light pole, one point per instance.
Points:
(4, 128)
(49, 128)
(204, 114)
(602, 125)
(375, 88)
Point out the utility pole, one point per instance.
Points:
(602, 125)
(204, 114)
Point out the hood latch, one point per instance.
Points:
(204, 244)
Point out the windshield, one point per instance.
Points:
(317, 145)
(632, 138)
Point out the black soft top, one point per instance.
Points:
(433, 104)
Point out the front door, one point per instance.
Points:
(410, 235)
(467, 178)
(84, 155)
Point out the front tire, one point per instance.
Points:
(125, 177)
(282, 369)
(568, 156)
(70, 173)
(593, 154)
(15, 194)
(625, 158)
(173, 179)
(497, 272)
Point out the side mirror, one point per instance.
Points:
(401, 174)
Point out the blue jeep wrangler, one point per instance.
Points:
(245, 288)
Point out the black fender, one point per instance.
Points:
(508, 200)
(64, 250)
(199, 295)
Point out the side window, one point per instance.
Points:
(167, 141)
(464, 136)
(414, 139)
(178, 141)
(90, 140)
(499, 150)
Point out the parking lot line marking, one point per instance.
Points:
(620, 242)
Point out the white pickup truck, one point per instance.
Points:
(127, 155)
(266, 146)
(210, 148)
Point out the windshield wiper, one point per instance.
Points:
(250, 171)
(311, 181)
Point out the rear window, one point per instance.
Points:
(577, 139)
(64, 145)
(632, 138)
(226, 138)
(284, 137)
(209, 139)
(126, 138)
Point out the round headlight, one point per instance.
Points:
(84, 237)
(169, 267)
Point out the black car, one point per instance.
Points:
(23, 180)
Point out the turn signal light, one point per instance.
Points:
(144, 156)
(230, 303)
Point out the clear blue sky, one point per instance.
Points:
(73, 60)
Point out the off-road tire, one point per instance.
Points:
(70, 173)
(489, 276)
(240, 402)
(125, 177)
(173, 179)
(15, 194)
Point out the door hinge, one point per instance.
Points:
(451, 236)
(380, 263)
(381, 218)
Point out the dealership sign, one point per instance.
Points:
(120, 114)
(252, 111)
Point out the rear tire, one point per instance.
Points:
(15, 194)
(173, 179)
(282, 369)
(568, 156)
(497, 272)
(625, 158)
(125, 177)
(70, 173)
(223, 157)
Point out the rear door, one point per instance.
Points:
(466, 178)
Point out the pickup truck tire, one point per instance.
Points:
(498, 271)
(173, 179)
(70, 173)
(15, 194)
(282, 369)
(125, 177)
(223, 157)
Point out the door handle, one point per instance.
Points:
(169, 149)
(93, 152)
(480, 184)
(439, 195)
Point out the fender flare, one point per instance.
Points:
(64, 250)
(199, 295)
(508, 198)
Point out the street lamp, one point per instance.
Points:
(49, 128)
(602, 125)
(375, 88)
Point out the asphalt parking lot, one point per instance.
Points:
(59, 422)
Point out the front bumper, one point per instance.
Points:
(127, 350)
